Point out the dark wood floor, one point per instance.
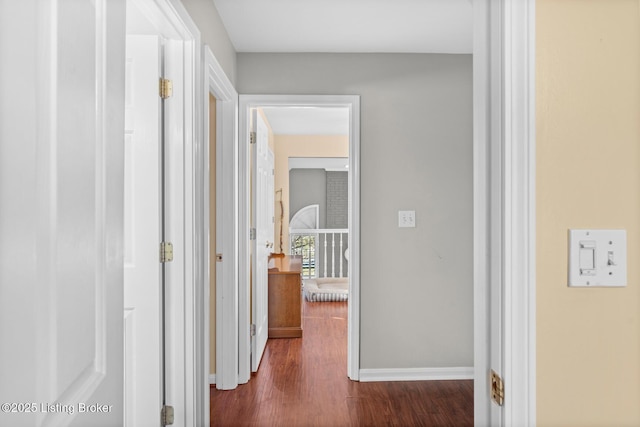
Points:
(303, 382)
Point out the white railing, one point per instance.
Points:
(322, 251)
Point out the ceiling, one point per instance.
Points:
(339, 164)
(380, 26)
(308, 120)
(386, 26)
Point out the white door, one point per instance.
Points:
(262, 219)
(142, 236)
(61, 210)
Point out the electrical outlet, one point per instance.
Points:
(406, 219)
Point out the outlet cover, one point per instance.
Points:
(406, 219)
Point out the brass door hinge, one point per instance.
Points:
(252, 138)
(497, 388)
(166, 252)
(166, 88)
(166, 415)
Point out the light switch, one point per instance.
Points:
(406, 218)
(597, 258)
(588, 258)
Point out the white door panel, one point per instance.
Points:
(142, 278)
(61, 190)
(263, 208)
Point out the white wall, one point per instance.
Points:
(416, 154)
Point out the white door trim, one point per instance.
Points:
(519, 325)
(217, 83)
(353, 103)
(504, 209)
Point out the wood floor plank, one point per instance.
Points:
(303, 382)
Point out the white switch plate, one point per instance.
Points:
(598, 258)
(406, 218)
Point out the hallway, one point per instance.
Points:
(303, 382)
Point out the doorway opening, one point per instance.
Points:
(275, 108)
(311, 198)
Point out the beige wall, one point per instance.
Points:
(588, 176)
(299, 146)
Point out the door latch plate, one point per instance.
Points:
(497, 388)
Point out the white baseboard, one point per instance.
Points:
(416, 374)
(212, 379)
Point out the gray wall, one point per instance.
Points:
(416, 154)
(328, 189)
(212, 33)
(308, 187)
(337, 199)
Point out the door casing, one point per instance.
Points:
(504, 209)
(226, 170)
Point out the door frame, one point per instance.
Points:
(352, 102)
(185, 296)
(504, 210)
(217, 83)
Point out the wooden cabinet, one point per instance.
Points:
(285, 296)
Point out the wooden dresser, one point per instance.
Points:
(285, 296)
